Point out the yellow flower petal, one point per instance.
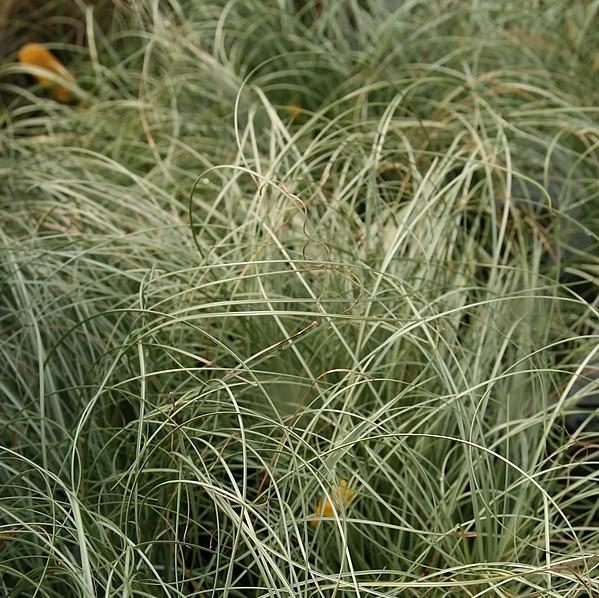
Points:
(39, 56)
(342, 495)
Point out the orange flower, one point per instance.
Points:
(37, 55)
(342, 496)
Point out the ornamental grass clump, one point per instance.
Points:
(289, 251)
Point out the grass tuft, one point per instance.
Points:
(296, 298)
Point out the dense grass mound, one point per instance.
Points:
(293, 297)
